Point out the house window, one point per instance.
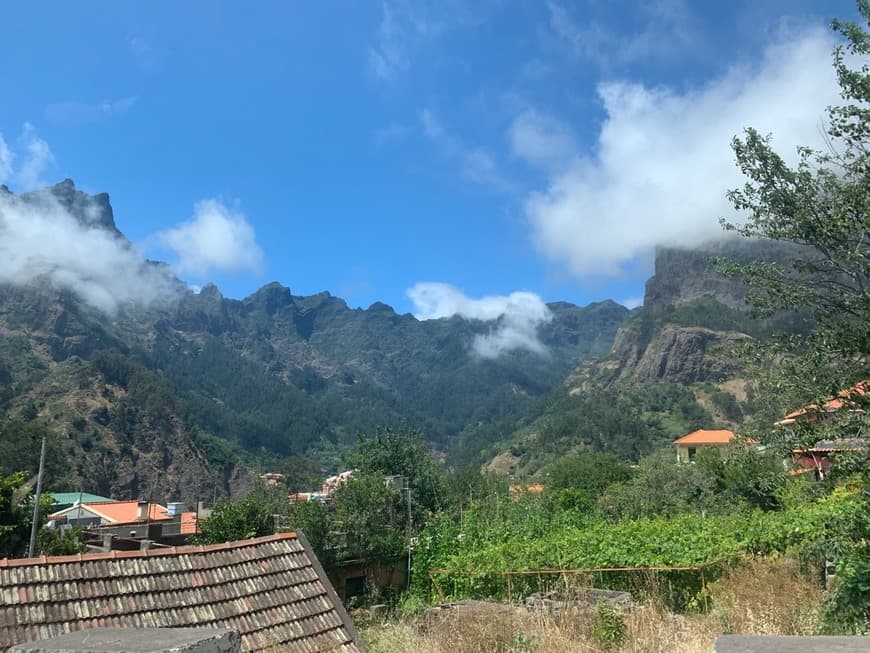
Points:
(692, 452)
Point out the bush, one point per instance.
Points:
(608, 628)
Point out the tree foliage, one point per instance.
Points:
(390, 452)
(15, 515)
(239, 519)
(823, 205)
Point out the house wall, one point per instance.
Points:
(683, 453)
(346, 576)
(687, 453)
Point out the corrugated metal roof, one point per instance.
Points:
(69, 498)
(271, 589)
(842, 444)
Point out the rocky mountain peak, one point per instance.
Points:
(89, 210)
(683, 275)
(211, 292)
(270, 299)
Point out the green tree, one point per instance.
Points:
(744, 475)
(58, 542)
(660, 486)
(578, 480)
(314, 520)
(467, 484)
(370, 519)
(15, 515)
(239, 519)
(822, 205)
(403, 453)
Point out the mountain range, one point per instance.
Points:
(188, 394)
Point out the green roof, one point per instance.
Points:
(69, 498)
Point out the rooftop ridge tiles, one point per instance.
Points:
(265, 581)
(174, 550)
(279, 593)
(316, 594)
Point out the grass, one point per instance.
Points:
(760, 597)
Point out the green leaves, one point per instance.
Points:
(236, 520)
(477, 543)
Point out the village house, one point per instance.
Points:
(819, 457)
(272, 590)
(61, 500)
(689, 445)
(848, 400)
(517, 491)
(132, 520)
(273, 479)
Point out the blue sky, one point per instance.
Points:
(365, 147)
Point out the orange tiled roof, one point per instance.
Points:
(703, 436)
(843, 398)
(121, 512)
(188, 523)
(271, 589)
(518, 490)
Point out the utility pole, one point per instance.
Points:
(34, 527)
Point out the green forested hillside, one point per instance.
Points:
(185, 396)
(675, 366)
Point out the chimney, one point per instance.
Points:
(142, 510)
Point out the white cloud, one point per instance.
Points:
(386, 58)
(668, 29)
(402, 27)
(662, 164)
(518, 316)
(144, 55)
(41, 240)
(6, 159)
(631, 302)
(33, 158)
(76, 113)
(389, 134)
(475, 162)
(216, 239)
(541, 139)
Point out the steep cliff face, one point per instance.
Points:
(679, 354)
(691, 319)
(683, 276)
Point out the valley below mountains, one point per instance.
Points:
(188, 395)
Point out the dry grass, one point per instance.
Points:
(767, 597)
(648, 630)
(761, 597)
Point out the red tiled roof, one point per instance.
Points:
(271, 589)
(704, 436)
(517, 490)
(188, 523)
(844, 398)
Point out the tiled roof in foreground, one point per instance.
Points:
(271, 589)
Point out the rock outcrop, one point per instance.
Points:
(680, 354)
